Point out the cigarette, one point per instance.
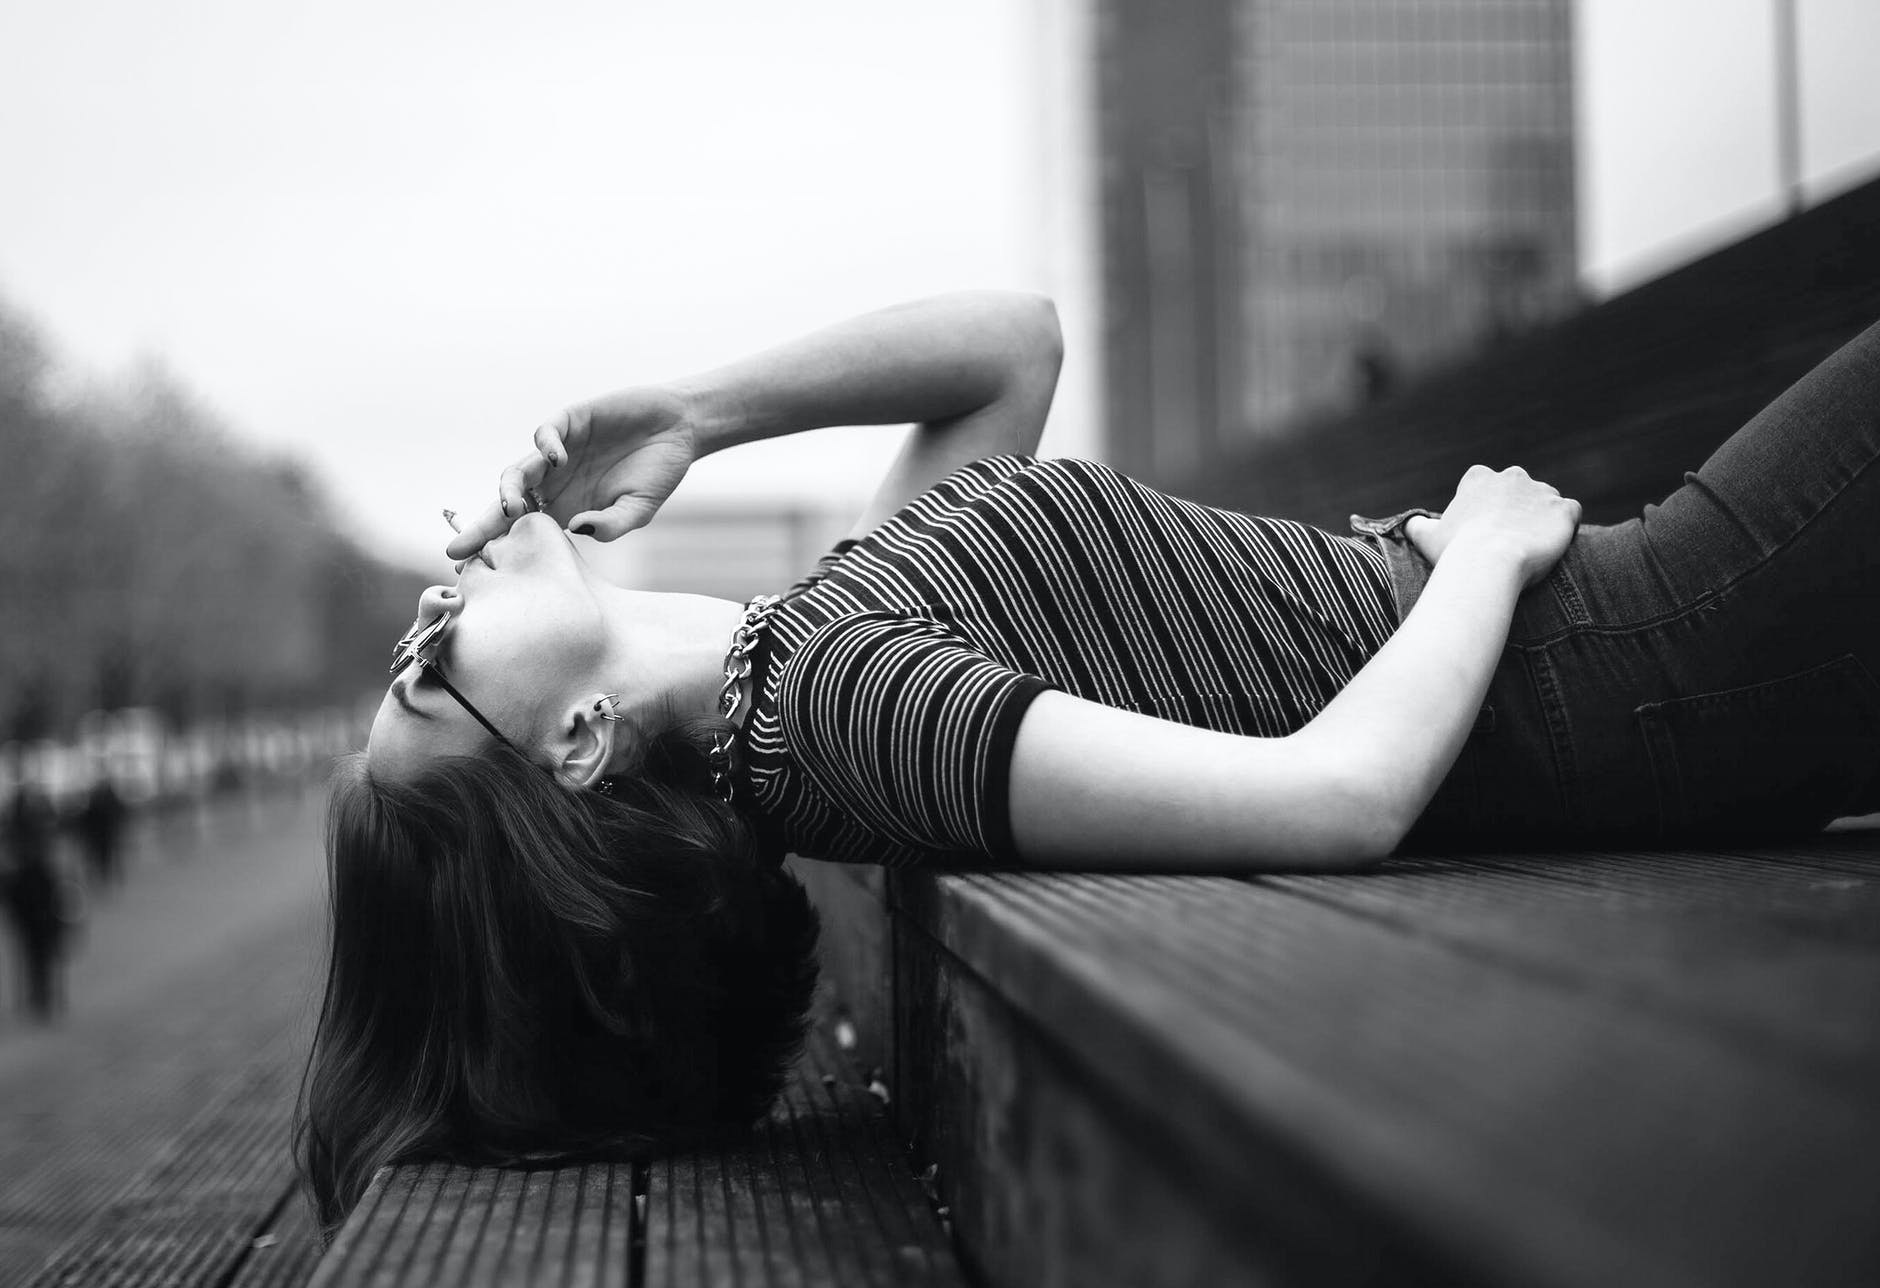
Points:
(450, 517)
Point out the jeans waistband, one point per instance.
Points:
(1409, 571)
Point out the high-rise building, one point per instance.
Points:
(1305, 202)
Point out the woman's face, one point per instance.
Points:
(526, 637)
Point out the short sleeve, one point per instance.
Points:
(907, 730)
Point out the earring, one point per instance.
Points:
(608, 706)
(605, 787)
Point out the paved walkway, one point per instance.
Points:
(203, 959)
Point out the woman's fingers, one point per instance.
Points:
(623, 516)
(512, 488)
(550, 443)
(511, 504)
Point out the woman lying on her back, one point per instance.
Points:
(559, 923)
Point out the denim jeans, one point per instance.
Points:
(1704, 672)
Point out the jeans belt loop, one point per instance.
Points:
(1409, 571)
(1392, 527)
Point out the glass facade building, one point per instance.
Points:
(1305, 202)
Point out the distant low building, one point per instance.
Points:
(727, 549)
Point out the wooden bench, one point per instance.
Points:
(1573, 1068)
(819, 1194)
(1547, 1069)
(1542, 1069)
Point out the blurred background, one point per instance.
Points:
(279, 282)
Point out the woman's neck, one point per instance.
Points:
(674, 648)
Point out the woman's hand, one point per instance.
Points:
(602, 467)
(1526, 519)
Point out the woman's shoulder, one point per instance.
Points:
(989, 476)
(971, 487)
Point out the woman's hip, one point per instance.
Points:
(1616, 714)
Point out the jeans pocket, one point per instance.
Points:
(1780, 757)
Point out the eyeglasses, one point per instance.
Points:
(420, 645)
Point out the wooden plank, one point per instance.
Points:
(1780, 958)
(193, 1215)
(819, 1194)
(1052, 1181)
(1535, 1131)
(285, 1252)
(89, 1107)
(445, 1224)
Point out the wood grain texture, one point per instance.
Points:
(1723, 943)
(820, 1194)
(285, 1251)
(192, 1216)
(447, 1225)
(1053, 1181)
(1529, 1065)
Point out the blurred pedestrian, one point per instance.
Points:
(101, 827)
(34, 897)
(1373, 369)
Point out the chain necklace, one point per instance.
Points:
(731, 693)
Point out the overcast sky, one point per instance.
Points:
(391, 235)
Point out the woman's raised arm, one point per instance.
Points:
(975, 370)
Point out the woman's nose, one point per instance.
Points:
(438, 599)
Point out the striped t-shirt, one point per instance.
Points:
(892, 680)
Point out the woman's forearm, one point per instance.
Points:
(1400, 723)
(927, 360)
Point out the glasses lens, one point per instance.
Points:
(419, 643)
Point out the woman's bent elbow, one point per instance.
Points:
(1363, 832)
(1043, 335)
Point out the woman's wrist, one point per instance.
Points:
(1487, 555)
(706, 412)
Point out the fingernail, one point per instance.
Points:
(553, 459)
(505, 509)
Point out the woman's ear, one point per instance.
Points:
(594, 738)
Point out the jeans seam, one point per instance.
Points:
(1702, 604)
(1568, 593)
(1666, 778)
(1546, 686)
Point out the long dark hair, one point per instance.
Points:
(521, 973)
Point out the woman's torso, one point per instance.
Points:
(893, 677)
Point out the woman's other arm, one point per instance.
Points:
(974, 370)
(1096, 787)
